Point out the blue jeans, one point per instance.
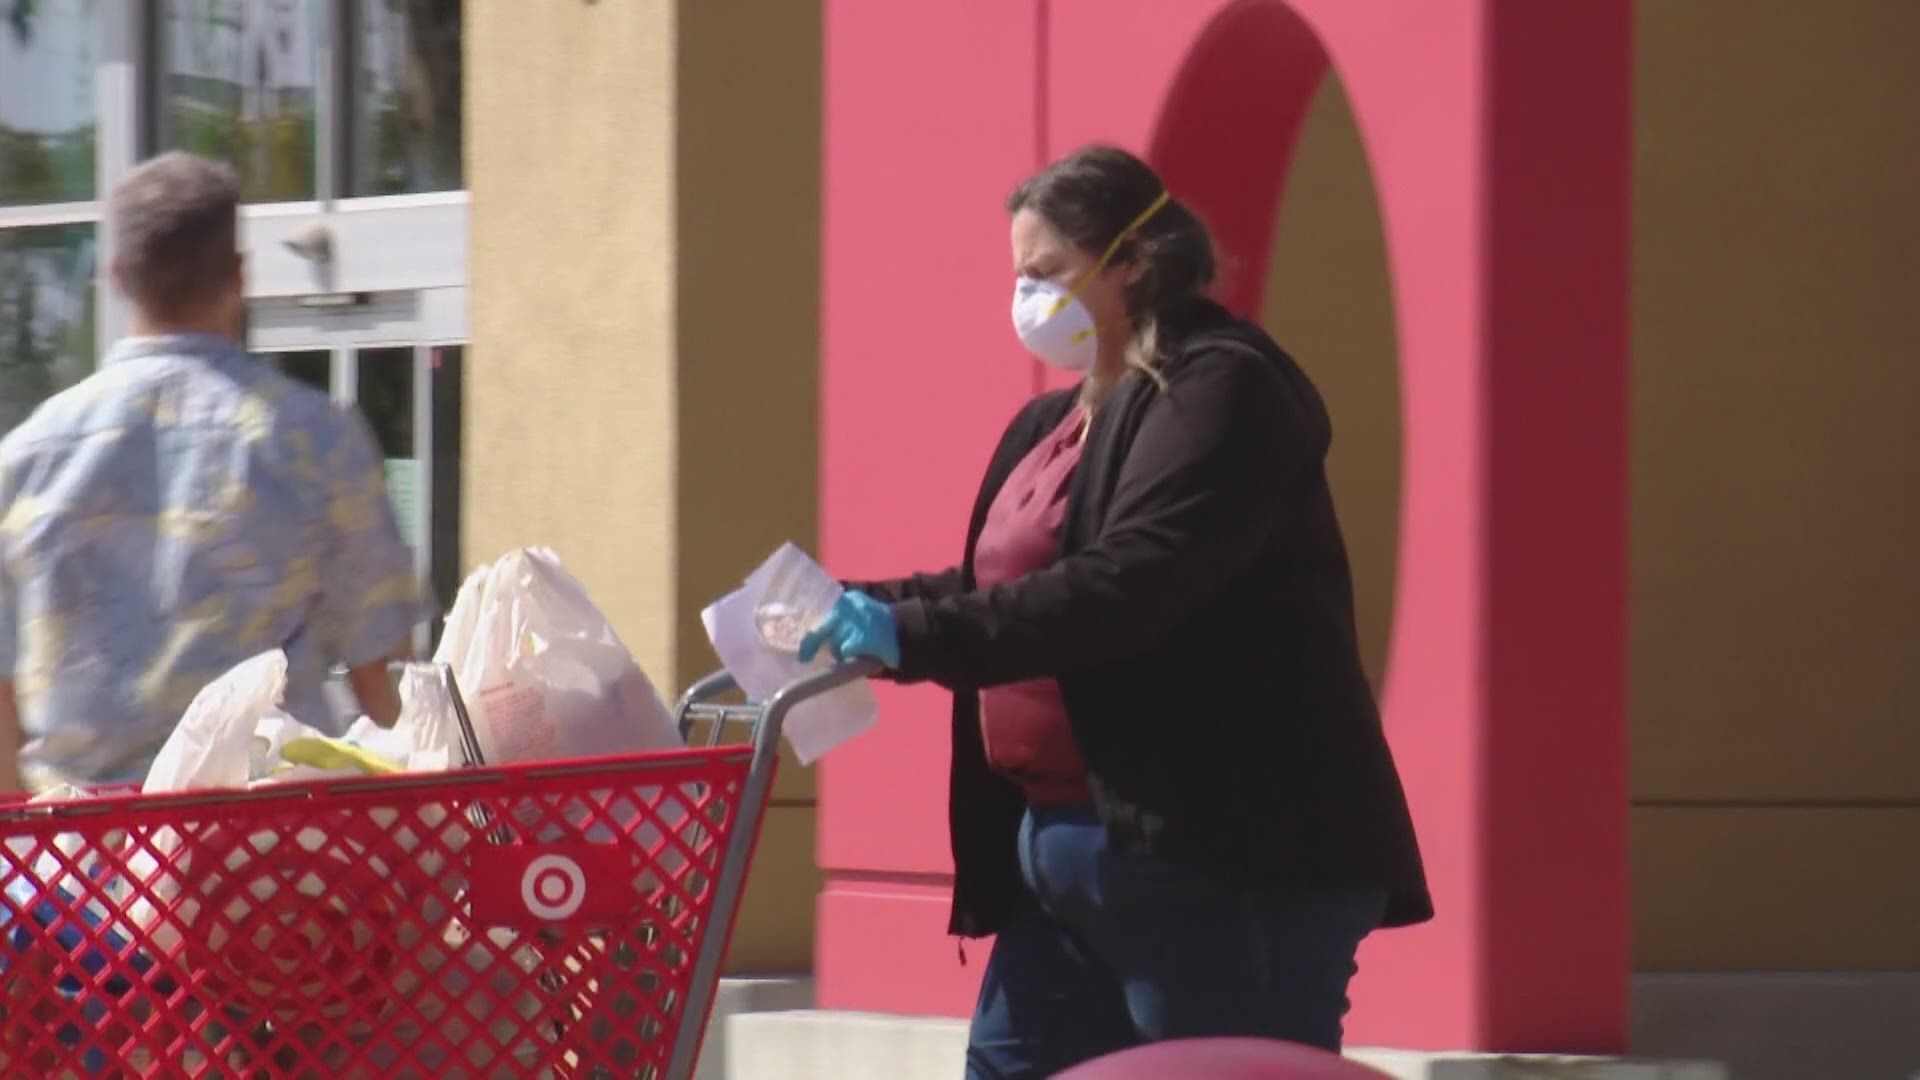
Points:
(1108, 950)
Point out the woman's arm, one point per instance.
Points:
(918, 587)
(1196, 499)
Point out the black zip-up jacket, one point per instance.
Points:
(1200, 623)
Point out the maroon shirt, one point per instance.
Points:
(1025, 724)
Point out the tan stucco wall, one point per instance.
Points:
(570, 418)
(1775, 528)
(1776, 454)
(641, 394)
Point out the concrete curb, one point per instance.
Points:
(740, 996)
(820, 1045)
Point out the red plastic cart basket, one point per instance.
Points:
(556, 919)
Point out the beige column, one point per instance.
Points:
(1776, 589)
(642, 389)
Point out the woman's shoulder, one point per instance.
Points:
(1217, 360)
(1209, 344)
(1204, 328)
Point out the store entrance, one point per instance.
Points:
(400, 357)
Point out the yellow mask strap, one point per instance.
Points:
(1107, 257)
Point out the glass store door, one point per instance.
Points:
(404, 374)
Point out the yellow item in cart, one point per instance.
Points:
(319, 752)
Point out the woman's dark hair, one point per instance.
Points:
(1091, 196)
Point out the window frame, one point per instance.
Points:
(381, 243)
(40, 215)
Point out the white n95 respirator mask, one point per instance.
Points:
(1054, 325)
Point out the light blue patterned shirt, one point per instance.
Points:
(181, 510)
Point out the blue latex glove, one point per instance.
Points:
(858, 627)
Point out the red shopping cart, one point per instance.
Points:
(557, 919)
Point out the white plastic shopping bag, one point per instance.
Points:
(211, 745)
(542, 671)
(544, 675)
(755, 631)
(427, 721)
(199, 889)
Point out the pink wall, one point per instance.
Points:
(930, 118)
(1498, 134)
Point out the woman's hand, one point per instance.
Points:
(858, 627)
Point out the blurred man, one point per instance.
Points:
(181, 510)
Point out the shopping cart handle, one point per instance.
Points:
(812, 686)
(720, 683)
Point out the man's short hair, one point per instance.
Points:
(175, 226)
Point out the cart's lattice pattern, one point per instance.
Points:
(500, 922)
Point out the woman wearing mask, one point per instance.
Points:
(1171, 797)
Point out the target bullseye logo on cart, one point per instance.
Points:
(535, 884)
(553, 887)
